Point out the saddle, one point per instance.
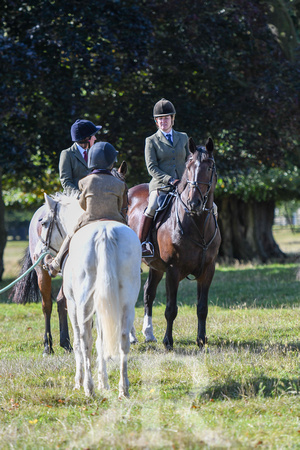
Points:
(165, 202)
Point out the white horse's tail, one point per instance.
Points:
(107, 304)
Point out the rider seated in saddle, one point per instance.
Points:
(73, 161)
(103, 196)
(166, 153)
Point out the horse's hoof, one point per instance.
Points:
(89, 393)
(150, 339)
(48, 351)
(203, 346)
(67, 347)
(168, 345)
(123, 396)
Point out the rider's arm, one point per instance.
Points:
(152, 163)
(66, 171)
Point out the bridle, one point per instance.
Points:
(53, 221)
(195, 185)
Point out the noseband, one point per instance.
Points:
(53, 221)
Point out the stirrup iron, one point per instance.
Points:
(148, 247)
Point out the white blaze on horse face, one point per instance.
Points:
(41, 246)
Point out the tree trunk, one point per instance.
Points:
(246, 230)
(2, 228)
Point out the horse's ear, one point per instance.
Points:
(192, 145)
(49, 201)
(209, 145)
(123, 168)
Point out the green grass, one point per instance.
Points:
(242, 392)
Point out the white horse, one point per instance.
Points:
(101, 275)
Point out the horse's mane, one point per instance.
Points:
(65, 198)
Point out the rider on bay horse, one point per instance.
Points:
(166, 153)
(103, 196)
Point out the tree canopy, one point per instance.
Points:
(230, 68)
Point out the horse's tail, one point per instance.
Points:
(27, 289)
(107, 300)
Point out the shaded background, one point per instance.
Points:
(230, 68)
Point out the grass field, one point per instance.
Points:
(243, 392)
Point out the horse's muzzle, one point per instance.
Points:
(195, 206)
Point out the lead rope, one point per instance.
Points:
(25, 273)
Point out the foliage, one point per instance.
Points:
(261, 185)
(227, 67)
(53, 56)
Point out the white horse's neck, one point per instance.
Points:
(69, 212)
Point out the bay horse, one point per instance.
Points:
(38, 284)
(101, 275)
(186, 240)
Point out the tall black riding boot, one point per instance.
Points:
(145, 225)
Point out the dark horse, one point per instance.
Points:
(38, 282)
(186, 239)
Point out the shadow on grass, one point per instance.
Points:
(261, 386)
(189, 347)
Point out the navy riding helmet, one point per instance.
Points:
(81, 129)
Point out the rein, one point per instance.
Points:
(54, 221)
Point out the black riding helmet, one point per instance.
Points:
(102, 155)
(81, 129)
(163, 108)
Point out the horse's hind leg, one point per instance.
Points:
(127, 321)
(85, 322)
(150, 288)
(63, 321)
(102, 373)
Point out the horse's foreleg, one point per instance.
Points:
(150, 288)
(44, 282)
(203, 285)
(172, 282)
(63, 321)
